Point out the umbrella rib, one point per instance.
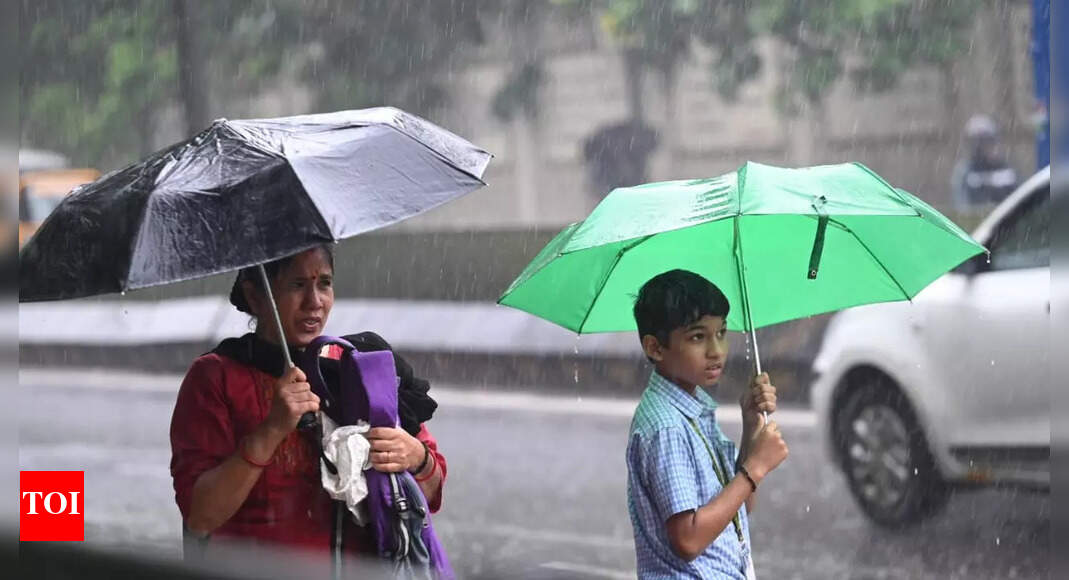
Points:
(897, 193)
(877, 260)
(124, 284)
(438, 154)
(605, 279)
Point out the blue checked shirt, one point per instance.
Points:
(669, 471)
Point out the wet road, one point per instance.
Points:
(536, 490)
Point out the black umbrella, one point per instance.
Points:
(243, 193)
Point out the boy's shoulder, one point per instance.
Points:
(654, 414)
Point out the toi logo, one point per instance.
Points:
(51, 506)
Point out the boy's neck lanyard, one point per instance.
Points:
(719, 474)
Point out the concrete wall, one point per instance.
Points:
(911, 135)
(538, 178)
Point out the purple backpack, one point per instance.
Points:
(400, 518)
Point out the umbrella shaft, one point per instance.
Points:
(308, 420)
(278, 319)
(756, 352)
(745, 291)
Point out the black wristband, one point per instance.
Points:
(426, 457)
(753, 484)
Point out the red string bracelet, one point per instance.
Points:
(249, 460)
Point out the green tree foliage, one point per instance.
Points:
(380, 52)
(92, 73)
(871, 41)
(95, 74)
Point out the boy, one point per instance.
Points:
(689, 492)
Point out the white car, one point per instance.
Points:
(952, 389)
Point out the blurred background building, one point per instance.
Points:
(570, 95)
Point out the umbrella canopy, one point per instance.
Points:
(781, 243)
(242, 193)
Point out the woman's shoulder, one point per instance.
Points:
(216, 377)
(211, 367)
(209, 360)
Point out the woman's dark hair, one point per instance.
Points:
(252, 274)
(675, 299)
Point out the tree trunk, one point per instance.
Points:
(953, 111)
(633, 75)
(670, 135)
(526, 161)
(192, 81)
(145, 131)
(526, 51)
(805, 134)
(1018, 135)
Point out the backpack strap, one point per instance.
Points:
(366, 386)
(378, 373)
(337, 403)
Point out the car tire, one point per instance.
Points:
(884, 454)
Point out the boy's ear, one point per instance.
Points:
(652, 347)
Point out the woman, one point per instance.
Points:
(240, 467)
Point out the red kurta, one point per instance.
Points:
(220, 402)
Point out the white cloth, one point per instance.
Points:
(350, 452)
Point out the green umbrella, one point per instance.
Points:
(781, 243)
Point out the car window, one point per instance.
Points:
(1022, 240)
(24, 205)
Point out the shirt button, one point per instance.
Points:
(309, 514)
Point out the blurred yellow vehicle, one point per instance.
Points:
(41, 191)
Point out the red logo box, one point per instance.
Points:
(52, 506)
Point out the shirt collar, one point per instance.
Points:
(691, 407)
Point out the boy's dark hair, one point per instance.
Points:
(675, 299)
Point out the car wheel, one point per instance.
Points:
(885, 455)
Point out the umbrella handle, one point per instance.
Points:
(757, 359)
(308, 420)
